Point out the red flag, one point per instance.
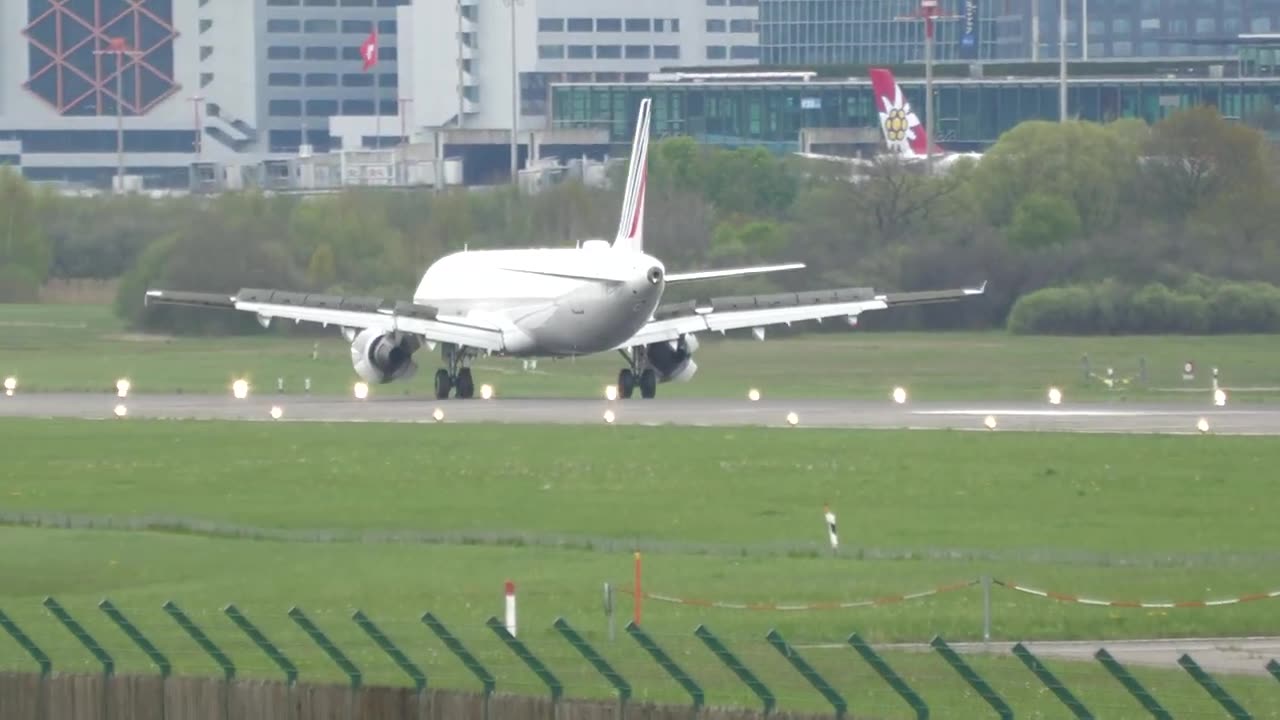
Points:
(369, 50)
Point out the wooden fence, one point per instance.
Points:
(59, 696)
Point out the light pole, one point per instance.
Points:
(929, 12)
(1062, 60)
(515, 96)
(119, 47)
(195, 101)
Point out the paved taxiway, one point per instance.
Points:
(1244, 656)
(1074, 417)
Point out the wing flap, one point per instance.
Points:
(733, 313)
(354, 312)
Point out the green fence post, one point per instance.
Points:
(108, 665)
(1211, 686)
(970, 676)
(46, 665)
(1273, 667)
(212, 650)
(79, 633)
(1051, 681)
(457, 648)
(806, 670)
(882, 668)
(15, 632)
(286, 666)
(201, 639)
(1131, 684)
(522, 652)
(399, 658)
(733, 663)
(664, 661)
(319, 638)
(618, 682)
(137, 637)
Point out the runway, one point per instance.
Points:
(1076, 417)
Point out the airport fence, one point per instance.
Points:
(43, 694)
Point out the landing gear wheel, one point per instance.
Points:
(648, 384)
(443, 384)
(466, 388)
(626, 383)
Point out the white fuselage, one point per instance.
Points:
(549, 302)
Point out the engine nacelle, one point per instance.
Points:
(380, 357)
(673, 360)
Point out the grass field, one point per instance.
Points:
(397, 520)
(60, 347)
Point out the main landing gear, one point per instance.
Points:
(455, 376)
(639, 374)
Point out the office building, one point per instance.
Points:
(812, 32)
(200, 83)
(458, 70)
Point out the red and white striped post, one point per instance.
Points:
(511, 608)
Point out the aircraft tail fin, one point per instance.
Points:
(631, 224)
(903, 131)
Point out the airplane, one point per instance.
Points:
(903, 132)
(904, 135)
(553, 302)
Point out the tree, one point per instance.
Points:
(1083, 163)
(1043, 220)
(24, 248)
(1199, 165)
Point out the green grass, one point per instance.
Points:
(730, 515)
(85, 348)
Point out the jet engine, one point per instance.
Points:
(380, 357)
(673, 360)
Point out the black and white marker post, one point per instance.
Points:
(831, 528)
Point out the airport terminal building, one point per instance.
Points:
(973, 108)
(214, 94)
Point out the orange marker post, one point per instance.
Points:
(637, 591)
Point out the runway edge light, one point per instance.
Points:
(990, 422)
(793, 419)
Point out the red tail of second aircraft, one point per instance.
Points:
(903, 131)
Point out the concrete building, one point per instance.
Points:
(213, 87)
(556, 41)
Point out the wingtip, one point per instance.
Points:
(981, 289)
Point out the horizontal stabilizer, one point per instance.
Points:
(673, 278)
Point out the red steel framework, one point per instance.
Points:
(121, 24)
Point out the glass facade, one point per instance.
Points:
(814, 32)
(971, 114)
(810, 32)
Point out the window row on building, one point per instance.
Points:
(327, 107)
(337, 3)
(734, 3)
(738, 25)
(971, 114)
(361, 80)
(608, 52)
(329, 26)
(605, 25)
(324, 52)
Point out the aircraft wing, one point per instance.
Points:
(347, 312)
(758, 311)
